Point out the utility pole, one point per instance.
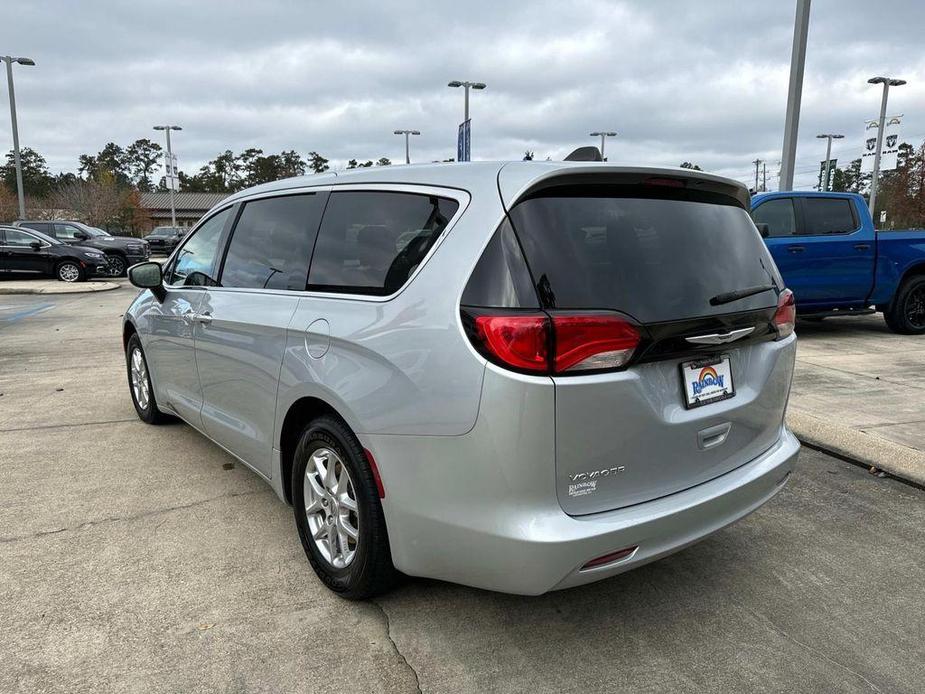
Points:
(9, 60)
(757, 163)
(828, 157)
(794, 94)
(764, 177)
(173, 202)
(887, 82)
(407, 133)
(603, 134)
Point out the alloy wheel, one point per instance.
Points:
(915, 307)
(331, 508)
(115, 265)
(68, 272)
(141, 387)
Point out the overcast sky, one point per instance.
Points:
(698, 81)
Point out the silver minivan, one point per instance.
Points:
(518, 376)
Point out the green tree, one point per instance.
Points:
(317, 163)
(292, 164)
(384, 161)
(352, 164)
(112, 159)
(692, 167)
(141, 158)
(36, 179)
(87, 166)
(528, 155)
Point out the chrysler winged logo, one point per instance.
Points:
(720, 338)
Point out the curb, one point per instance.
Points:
(83, 288)
(865, 449)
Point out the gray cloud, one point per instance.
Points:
(704, 82)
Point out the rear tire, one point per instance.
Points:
(70, 271)
(116, 265)
(326, 514)
(906, 313)
(139, 384)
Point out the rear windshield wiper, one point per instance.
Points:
(729, 297)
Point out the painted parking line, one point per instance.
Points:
(17, 315)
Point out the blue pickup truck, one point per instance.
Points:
(836, 263)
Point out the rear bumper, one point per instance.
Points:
(528, 548)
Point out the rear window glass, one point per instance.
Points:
(371, 241)
(828, 216)
(654, 258)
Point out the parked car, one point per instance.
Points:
(165, 239)
(26, 251)
(521, 401)
(120, 252)
(836, 263)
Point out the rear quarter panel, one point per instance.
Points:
(898, 252)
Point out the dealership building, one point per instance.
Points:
(190, 207)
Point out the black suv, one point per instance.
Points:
(121, 252)
(165, 239)
(26, 251)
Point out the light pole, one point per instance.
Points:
(828, 156)
(407, 133)
(603, 134)
(173, 204)
(468, 85)
(794, 94)
(9, 60)
(887, 82)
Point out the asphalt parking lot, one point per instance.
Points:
(143, 559)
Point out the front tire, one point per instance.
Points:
(116, 265)
(140, 385)
(906, 313)
(70, 271)
(337, 512)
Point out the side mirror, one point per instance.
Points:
(764, 229)
(35, 246)
(148, 276)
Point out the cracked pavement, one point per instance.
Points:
(144, 559)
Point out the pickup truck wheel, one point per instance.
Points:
(115, 265)
(906, 313)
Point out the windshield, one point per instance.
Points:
(655, 256)
(94, 232)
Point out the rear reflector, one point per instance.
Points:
(557, 344)
(786, 315)
(610, 558)
(375, 470)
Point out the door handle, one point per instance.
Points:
(796, 249)
(204, 318)
(862, 246)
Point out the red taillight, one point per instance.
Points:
(563, 343)
(375, 470)
(786, 315)
(596, 341)
(665, 182)
(520, 341)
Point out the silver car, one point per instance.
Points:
(517, 376)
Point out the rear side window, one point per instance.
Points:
(778, 214)
(656, 257)
(272, 243)
(370, 242)
(828, 216)
(501, 278)
(40, 226)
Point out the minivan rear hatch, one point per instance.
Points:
(672, 255)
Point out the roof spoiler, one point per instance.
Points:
(589, 153)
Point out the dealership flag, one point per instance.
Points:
(890, 151)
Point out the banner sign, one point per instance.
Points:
(462, 142)
(171, 173)
(832, 164)
(889, 153)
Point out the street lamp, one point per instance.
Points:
(406, 133)
(9, 60)
(468, 85)
(828, 156)
(887, 82)
(603, 134)
(173, 204)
